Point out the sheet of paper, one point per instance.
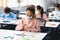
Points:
(52, 24)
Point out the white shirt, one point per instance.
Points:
(56, 14)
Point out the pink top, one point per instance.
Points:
(44, 16)
(32, 25)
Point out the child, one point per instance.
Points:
(30, 23)
(40, 13)
(8, 14)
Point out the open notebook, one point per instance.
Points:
(52, 24)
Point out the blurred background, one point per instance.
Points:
(19, 4)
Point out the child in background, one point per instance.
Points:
(8, 14)
(56, 11)
(40, 13)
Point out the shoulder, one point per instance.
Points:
(44, 14)
(11, 13)
(36, 20)
(23, 19)
(56, 12)
(53, 11)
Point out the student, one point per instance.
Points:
(56, 11)
(40, 13)
(30, 23)
(8, 14)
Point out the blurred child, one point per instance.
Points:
(30, 23)
(8, 14)
(40, 13)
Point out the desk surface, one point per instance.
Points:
(20, 35)
(8, 21)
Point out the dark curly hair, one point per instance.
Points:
(7, 10)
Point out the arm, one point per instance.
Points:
(2, 15)
(14, 17)
(37, 28)
(19, 26)
(45, 17)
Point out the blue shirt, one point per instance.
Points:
(10, 16)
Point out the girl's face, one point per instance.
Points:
(37, 9)
(29, 13)
(56, 8)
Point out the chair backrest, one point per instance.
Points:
(16, 12)
(43, 22)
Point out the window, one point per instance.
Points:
(8, 3)
(1, 3)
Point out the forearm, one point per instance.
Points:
(18, 28)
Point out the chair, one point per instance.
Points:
(42, 25)
(16, 12)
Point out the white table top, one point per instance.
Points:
(52, 24)
(8, 21)
(20, 35)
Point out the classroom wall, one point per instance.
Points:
(10, 3)
(14, 3)
(59, 1)
(34, 2)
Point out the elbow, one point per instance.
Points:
(18, 28)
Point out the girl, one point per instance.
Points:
(40, 13)
(30, 23)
